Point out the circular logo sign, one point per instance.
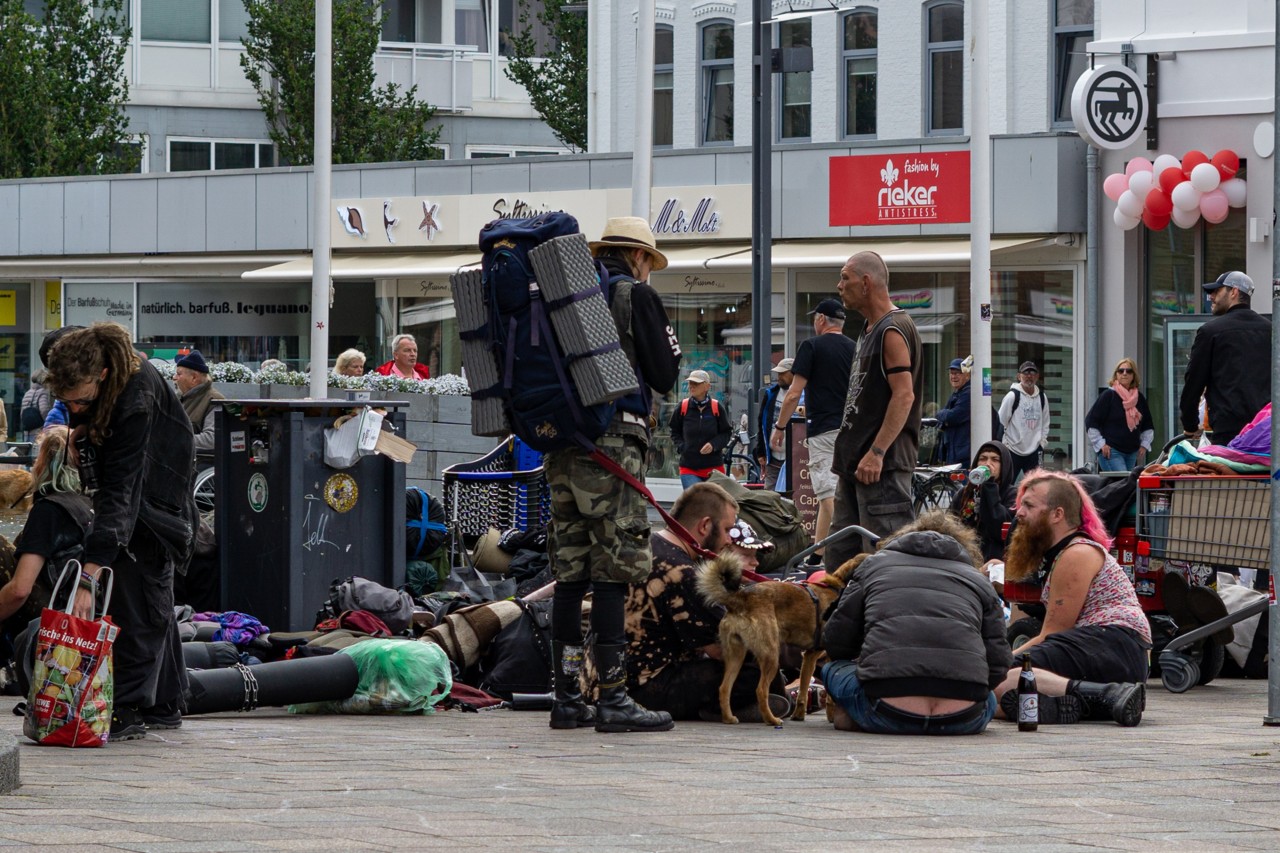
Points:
(1109, 106)
(258, 492)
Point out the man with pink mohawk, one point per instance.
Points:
(1090, 658)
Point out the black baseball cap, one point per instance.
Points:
(829, 308)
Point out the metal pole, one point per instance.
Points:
(1091, 294)
(980, 229)
(761, 202)
(1273, 614)
(322, 172)
(642, 151)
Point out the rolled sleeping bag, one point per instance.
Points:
(219, 655)
(285, 682)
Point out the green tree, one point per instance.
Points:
(557, 83)
(62, 90)
(370, 125)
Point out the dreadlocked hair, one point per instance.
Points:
(53, 472)
(81, 356)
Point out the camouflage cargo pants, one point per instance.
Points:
(599, 527)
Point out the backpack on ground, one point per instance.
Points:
(518, 659)
(425, 530)
(539, 339)
(394, 607)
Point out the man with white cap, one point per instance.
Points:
(1230, 362)
(769, 457)
(598, 538)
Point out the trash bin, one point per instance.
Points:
(287, 523)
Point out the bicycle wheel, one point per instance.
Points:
(203, 491)
(935, 494)
(743, 468)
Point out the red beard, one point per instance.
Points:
(1025, 553)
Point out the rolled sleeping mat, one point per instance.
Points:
(285, 682)
(219, 655)
(206, 631)
(484, 374)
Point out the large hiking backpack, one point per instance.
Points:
(545, 344)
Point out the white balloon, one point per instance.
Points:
(1186, 197)
(1205, 177)
(1127, 222)
(1165, 161)
(1131, 205)
(1236, 190)
(1185, 218)
(1140, 183)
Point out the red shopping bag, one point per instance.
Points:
(71, 682)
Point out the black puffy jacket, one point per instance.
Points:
(918, 613)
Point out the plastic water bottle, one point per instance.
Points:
(979, 475)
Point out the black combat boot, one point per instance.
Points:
(1054, 710)
(615, 710)
(1123, 703)
(569, 710)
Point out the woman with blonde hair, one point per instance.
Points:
(1119, 425)
(53, 534)
(349, 363)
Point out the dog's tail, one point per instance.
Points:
(720, 578)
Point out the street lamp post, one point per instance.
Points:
(761, 201)
(322, 160)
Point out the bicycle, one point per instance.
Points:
(935, 486)
(740, 464)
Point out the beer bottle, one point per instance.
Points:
(1028, 698)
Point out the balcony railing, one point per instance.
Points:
(442, 72)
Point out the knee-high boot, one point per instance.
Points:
(615, 710)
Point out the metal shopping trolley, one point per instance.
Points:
(1195, 525)
(504, 489)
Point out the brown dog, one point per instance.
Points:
(15, 484)
(761, 618)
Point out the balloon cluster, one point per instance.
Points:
(1165, 191)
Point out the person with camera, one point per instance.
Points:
(133, 447)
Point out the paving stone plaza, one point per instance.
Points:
(1200, 774)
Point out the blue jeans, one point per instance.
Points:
(872, 715)
(1118, 461)
(687, 480)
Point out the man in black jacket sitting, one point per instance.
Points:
(917, 640)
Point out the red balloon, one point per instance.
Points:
(1170, 178)
(1191, 160)
(1154, 222)
(1227, 163)
(1158, 203)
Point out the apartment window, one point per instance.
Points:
(663, 80)
(717, 82)
(471, 24)
(233, 21)
(202, 155)
(1072, 30)
(509, 12)
(796, 101)
(859, 55)
(486, 152)
(176, 20)
(138, 144)
(944, 53)
(399, 20)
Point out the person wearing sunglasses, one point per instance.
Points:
(134, 449)
(1025, 421)
(1119, 424)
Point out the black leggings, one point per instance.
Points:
(607, 618)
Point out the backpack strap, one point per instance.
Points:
(684, 407)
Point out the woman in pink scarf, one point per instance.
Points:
(1119, 424)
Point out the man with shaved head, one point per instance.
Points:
(879, 438)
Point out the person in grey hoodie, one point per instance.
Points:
(1024, 414)
(917, 639)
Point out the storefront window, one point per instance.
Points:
(1178, 261)
(426, 311)
(15, 352)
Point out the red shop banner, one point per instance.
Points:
(900, 189)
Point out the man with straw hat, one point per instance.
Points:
(598, 538)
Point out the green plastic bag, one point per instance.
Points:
(396, 677)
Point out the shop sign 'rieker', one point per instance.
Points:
(900, 189)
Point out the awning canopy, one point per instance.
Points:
(728, 255)
(371, 266)
(212, 265)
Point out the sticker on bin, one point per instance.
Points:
(237, 441)
(1146, 589)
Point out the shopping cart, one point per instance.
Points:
(1194, 526)
(504, 489)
